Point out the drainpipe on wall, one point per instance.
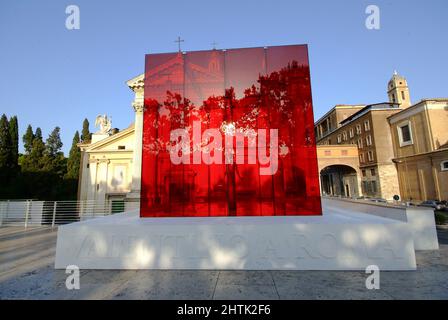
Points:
(436, 179)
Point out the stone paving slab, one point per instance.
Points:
(27, 260)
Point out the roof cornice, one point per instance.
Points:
(136, 82)
(111, 138)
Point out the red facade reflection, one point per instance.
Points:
(229, 133)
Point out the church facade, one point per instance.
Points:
(110, 166)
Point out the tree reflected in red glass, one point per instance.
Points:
(223, 104)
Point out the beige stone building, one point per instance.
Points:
(420, 142)
(339, 168)
(367, 127)
(332, 119)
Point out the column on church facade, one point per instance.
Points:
(134, 195)
(91, 187)
(83, 182)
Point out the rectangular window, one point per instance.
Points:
(403, 96)
(366, 125)
(352, 134)
(369, 140)
(361, 157)
(360, 145)
(372, 172)
(121, 147)
(444, 165)
(370, 155)
(405, 134)
(339, 138)
(344, 136)
(363, 172)
(358, 129)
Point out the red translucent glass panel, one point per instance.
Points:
(229, 133)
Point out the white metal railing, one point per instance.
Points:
(52, 213)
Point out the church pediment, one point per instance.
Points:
(121, 141)
(136, 82)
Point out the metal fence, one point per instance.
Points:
(52, 213)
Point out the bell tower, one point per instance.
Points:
(398, 91)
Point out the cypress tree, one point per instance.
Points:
(74, 159)
(14, 133)
(54, 143)
(5, 145)
(54, 160)
(86, 136)
(34, 161)
(38, 134)
(28, 138)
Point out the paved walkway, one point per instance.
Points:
(27, 259)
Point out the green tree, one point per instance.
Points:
(74, 159)
(54, 160)
(14, 133)
(44, 167)
(37, 155)
(86, 136)
(28, 138)
(34, 161)
(54, 143)
(38, 134)
(5, 146)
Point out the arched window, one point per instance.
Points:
(444, 165)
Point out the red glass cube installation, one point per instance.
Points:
(229, 133)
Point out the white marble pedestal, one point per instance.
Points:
(338, 240)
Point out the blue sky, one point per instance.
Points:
(51, 76)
